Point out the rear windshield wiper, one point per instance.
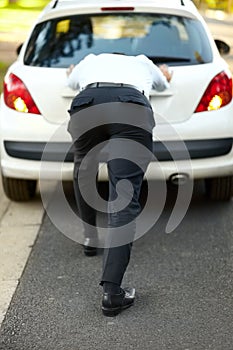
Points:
(165, 59)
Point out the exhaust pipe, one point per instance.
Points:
(179, 179)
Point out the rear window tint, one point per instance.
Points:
(163, 38)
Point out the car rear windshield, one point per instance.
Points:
(170, 39)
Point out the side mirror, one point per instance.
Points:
(223, 48)
(19, 49)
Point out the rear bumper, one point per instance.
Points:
(163, 151)
(196, 158)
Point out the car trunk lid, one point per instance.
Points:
(176, 104)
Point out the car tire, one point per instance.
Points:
(19, 190)
(219, 188)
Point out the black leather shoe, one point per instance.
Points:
(113, 304)
(90, 247)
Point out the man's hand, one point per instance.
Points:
(165, 70)
(69, 70)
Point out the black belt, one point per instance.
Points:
(93, 85)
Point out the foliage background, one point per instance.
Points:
(224, 5)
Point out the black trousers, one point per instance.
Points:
(117, 119)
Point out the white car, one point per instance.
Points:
(194, 117)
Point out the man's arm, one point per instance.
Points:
(161, 77)
(73, 72)
(71, 77)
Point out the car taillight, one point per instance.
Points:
(17, 96)
(217, 94)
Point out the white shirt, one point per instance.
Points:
(138, 71)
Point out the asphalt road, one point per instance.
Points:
(183, 282)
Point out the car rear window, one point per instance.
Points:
(164, 38)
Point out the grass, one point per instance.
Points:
(3, 69)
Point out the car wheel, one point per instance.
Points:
(219, 188)
(19, 190)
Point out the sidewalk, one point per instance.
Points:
(8, 51)
(19, 225)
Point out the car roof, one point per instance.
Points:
(56, 3)
(60, 8)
